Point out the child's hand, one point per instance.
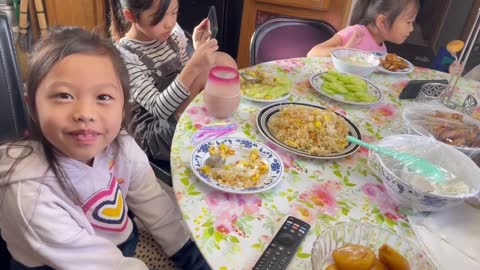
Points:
(204, 56)
(201, 33)
(455, 68)
(354, 39)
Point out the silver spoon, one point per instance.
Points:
(249, 78)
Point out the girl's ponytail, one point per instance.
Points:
(118, 25)
(359, 11)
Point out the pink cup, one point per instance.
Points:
(222, 92)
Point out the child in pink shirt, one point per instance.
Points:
(365, 42)
(373, 22)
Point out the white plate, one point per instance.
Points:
(404, 71)
(267, 100)
(316, 81)
(266, 113)
(241, 146)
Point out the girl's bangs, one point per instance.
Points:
(160, 12)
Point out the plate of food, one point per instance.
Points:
(346, 88)
(308, 130)
(256, 85)
(247, 166)
(391, 63)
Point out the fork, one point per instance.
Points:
(249, 78)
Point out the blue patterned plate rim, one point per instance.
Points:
(274, 176)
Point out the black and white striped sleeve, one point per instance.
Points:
(161, 104)
(182, 41)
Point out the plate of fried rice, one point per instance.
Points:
(249, 167)
(308, 130)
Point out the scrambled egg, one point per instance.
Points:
(241, 173)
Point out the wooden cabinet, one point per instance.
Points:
(88, 14)
(335, 12)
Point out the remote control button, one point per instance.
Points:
(286, 239)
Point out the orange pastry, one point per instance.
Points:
(392, 259)
(378, 265)
(350, 257)
(332, 267)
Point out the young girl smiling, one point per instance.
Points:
(67, 190)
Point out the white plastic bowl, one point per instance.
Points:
(444, 155)
(367, 235)
(340, 62)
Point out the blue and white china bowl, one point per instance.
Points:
(407, 196)
(268, 181)
(340, 63)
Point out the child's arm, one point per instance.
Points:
(349, 37)
(158, 213)
(150, 203)
(325, 48)
(161, 103)
(41, 229)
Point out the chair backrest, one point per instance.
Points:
(282, 38)
(13, 115)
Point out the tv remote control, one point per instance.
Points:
(283, 246)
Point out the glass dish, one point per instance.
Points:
(367, 235)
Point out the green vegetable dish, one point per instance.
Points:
(346, 87)
(256, 85)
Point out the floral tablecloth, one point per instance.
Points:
(233, 230)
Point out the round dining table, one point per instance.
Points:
(233, 230)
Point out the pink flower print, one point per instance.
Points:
(338, 110)
(289, 64)
(302, 88)
(423, 70)
(351, 160)
(323, 197)
(228, 208)
(368, 139)
(383, 112)
(198, 114)
(286, 158)
(378, 194)
(178, 196)
(398, 86)
(302, 212)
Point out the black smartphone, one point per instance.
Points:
(212, 18)
(413, 87)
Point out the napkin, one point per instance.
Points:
(451, 238)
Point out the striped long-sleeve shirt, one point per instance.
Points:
(159, 102)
